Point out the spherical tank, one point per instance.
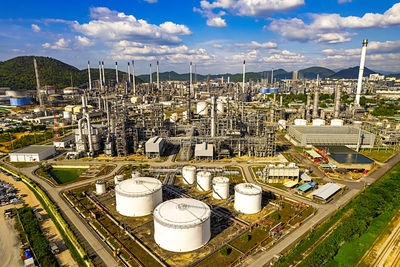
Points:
(220, 187)
(100, 187)
(202, 108)
(337, 122)
(138, 197)
(248, 198)
(204, 181)
(118, 179)
(182, 224)
(189, 174)
(300, 122)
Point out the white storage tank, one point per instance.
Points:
(202, 108)
(318, 122)
(299, 122)
(204, 181)
(100, 187)
(118, 178)
(248, 198)
(220, 187)
(337, 122)
(182, 224)
(138, 197)
(189, 174)
(135, 174)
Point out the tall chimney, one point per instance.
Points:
(272, 77)
(158, 76)
(116, 72)
(229, 79)
(190, 79)
(316, 103)
(39, 94)
(213, 130)
(90, 79)
(100, 77)
(189, 113)
(361, 72)
(337, 103)
(104, 76)
(244, 75)
(129, 72)
(133, 77)
(151, 80)
(308, 106)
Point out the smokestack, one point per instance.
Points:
(244, 74)
(133, 77)
(129, 73)
(213, 116)
(272, 76)
(151, 80)
(189, 113)
(229, 79)
(190, 78)
(361, 72)
(337, 103)
(316, 103)
(90, 79)
(195, 73)
(116, 71)
(38, 93)
(104, 76)
(100, 77)
(158, 77)
(308, 106)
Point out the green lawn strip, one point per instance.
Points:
(217, 259)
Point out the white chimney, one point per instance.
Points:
(133, 77)
(361, 72)
(116, 72)
(244, 75)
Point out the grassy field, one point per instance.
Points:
(63, 176)
(378, 155)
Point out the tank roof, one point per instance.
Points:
(220, 180)
(248, 189)
(181, 213)
(139, 186)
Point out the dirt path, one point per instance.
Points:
(49, 229)
(9, 244)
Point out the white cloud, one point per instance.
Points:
(216, 22)
(60, 44)
(110, 25)
(35, 28)
(218, 45)
(256, 45)
(373, 48)
(84, 41)
(344, 1)
(330, 28)
(151, 1)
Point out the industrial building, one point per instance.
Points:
(326, 192)
(281, 173)
(64, 142)
(32, 153)
(307, 136)
(155, 147)
(204, 150)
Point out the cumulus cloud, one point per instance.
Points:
(275, 56)
(110, 25)
(35, 28)
(216, 22)
(84, 41)
(374, 48)
(331, 28)
(256, 45)
(60, 44)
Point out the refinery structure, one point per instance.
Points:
(200, 172)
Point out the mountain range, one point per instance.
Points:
(18, 73)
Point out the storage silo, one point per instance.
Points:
(118, 178)
(100, 187)
(202, 108)
(248, 198)
(182, 224)
(189, 174)
(204, 181)
(220, 187)
(138, 197)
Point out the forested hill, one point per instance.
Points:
(19, 73)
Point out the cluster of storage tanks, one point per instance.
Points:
(315, 122)
(181, 224)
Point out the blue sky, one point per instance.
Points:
(217, 35)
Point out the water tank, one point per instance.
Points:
(299, 122)
(337, 122)
(220, 187)
(318, 122)
(204, 181)
(182, 224)
(67, 115)
(202, 108)
(189, 174)
(220, 107)
(248, 198)
(135, 174)
(100, 187)
(138, 197)
(118, 179)
(282, 124)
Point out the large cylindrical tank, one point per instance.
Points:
(118, 179)
(138, 197)
(182, 224)
(204, 181)
(67, 115)
(299, 122)
(318, 122)
(100, 187)
(220, 187)
(189, 174)
(202, 108)
(337, 122)
(248, 198)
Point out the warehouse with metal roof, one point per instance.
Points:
(326, 192)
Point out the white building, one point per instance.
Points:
(64, 142)
(32, 153)
(204, 150)
(155, 146)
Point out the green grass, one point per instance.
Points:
(62, 176)
(351, 253)
(378, 155)
(217, 259)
